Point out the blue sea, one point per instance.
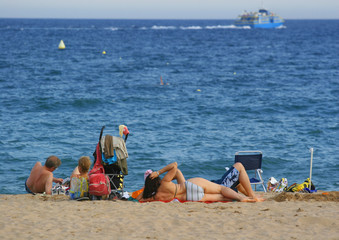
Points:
(226, 89)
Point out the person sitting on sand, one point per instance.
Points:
(194, 189)
(79, 179)
(41, 178)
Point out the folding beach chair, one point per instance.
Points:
(252, 161)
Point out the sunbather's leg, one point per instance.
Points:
(241, 189)
(245, 185)
(216, 192)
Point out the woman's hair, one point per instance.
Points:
(84, 164)
(151, 187)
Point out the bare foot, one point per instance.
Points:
(259, 195)
(247, 200)
(260, 199)
(252, 200)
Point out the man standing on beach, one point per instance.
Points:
(41, 178)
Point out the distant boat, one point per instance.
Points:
(261, 19)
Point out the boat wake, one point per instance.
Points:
(156, 27)
(227, 27)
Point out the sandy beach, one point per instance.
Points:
(281, 216)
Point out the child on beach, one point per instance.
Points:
(79, 179)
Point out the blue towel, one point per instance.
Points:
(109, 160)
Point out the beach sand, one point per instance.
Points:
(281, 216)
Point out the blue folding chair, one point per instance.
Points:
(252, 160)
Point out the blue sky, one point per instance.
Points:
(165, 9)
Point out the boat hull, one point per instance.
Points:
(261, 19)
(266, 25)
(259, 25)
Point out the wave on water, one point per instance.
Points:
(155, 27)
(227, 27)
(112, 28)
(191, 28)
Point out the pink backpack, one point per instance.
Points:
(99, 184)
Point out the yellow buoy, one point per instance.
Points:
(62, 45)
(104, 52)
(198, 90)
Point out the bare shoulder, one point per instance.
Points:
(37, 165)
(166, 187)
(45, 174)
(165, 184)
(76, 171)
(36, 170)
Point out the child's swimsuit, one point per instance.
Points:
(194, 192)
(79, 187)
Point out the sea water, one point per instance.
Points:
(226, 89)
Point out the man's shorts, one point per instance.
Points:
(27, 189)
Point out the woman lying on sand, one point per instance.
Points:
(194, 189)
